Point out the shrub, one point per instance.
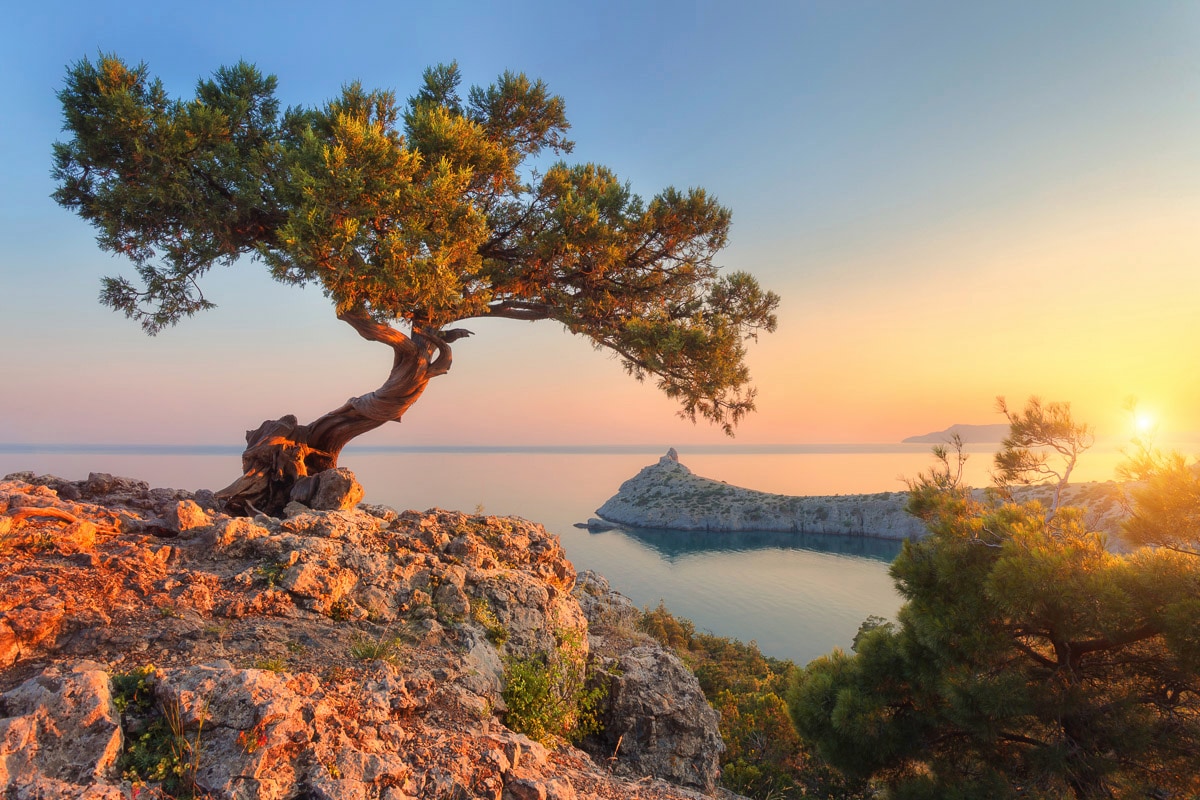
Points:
(549, 695)
(161, 752)
(481, 612)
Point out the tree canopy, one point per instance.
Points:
(1028, 660)
(410, 217)
(1165, 494)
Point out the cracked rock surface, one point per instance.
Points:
(341, 653)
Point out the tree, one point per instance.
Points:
(1025, 454)
(411, 218)
(1028, 661)
(1166, 505)
(1164, 491)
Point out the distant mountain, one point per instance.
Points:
(970, 434)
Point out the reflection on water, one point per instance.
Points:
(675, 544)
(797, 596)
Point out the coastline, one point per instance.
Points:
(667, 495)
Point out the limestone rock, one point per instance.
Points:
(331, 490)
(187, 515)
(667, 495)
(59, 732)
(331, 654)
(658, 722)
(26, 626)
(656, 719)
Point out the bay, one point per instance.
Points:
(797, 596)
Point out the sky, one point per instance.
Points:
(954, 200)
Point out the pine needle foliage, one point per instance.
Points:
(1029, 660)
(421, 213)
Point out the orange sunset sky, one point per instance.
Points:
(954, 200)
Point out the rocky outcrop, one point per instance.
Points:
(59, 732)
(667, 495)
(657, 721)
(345, 653)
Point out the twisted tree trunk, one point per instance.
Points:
(280, 453)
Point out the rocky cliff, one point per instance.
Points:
(668, 495)
(148, 641)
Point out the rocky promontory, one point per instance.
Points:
(149, 641)
(667, 495)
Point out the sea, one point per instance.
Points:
(798, 596)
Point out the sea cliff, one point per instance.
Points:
(667, 495)
(352, 651)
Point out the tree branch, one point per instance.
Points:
(374, 331)
(441, 341)
(520, 310)
(1077, 649)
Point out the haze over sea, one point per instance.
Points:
(797, 596)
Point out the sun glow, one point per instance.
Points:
(1144, 422)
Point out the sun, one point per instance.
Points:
(1144, 421)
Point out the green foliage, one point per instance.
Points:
(341, 610)
(674, 632)
(133, 689)
(422, 213)
(1042, 431)
(274, 664)
(385, 647)
(161, 752)
(1165, 501)
(763, 758)
(271, 572)
(549, 695)
(1029, 661)
(481, 612)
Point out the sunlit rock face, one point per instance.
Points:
(352, 652)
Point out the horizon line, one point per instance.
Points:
(798, 448)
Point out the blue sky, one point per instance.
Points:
(955, 200)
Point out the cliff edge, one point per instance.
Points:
(150, 644)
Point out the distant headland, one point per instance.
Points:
(667, 495)
(970, 434)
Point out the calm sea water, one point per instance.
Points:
(797, 596)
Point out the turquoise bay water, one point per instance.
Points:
(797, 596)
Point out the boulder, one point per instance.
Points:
(656, 719)
(187, 515)
(25, 627)
(331, 490)
(59, 733)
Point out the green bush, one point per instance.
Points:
(481, 612)
(161, 753)
(549, 695)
